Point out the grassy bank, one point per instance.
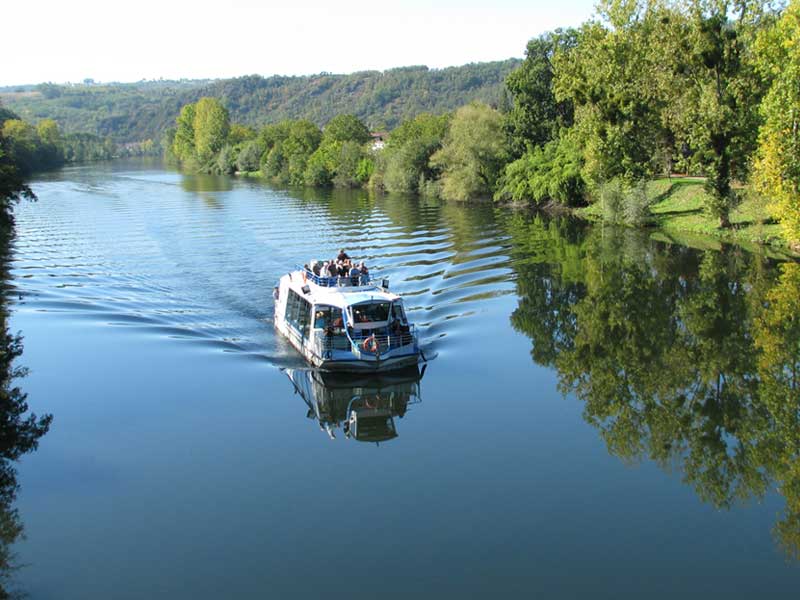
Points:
(677, 212)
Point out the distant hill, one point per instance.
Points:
(130, 112)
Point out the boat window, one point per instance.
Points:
(298, 312)
(328, 316)
(397, 311)
(371, 313)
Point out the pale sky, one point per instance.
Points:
(70, 40)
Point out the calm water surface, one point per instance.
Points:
(603, 415)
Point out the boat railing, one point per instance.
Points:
(373, 344)
(339, 281)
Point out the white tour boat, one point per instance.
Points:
(345, 323)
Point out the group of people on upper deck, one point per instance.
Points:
(350, 272)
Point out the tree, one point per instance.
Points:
(406, 157)
(536, 115)
(473, 153)
(302, 140)
(352, 167)
(346, 128)
(22, 144)
(609, 74)
(211, 125)
(321, 166)
(250, 156)
(777, 169)
(183, 142)
(12, 184)
(548, 173)
(725, 91)
(240, 133)
(49, 132)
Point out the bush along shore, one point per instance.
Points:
(595, 120)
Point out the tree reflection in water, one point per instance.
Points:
(688, 358)
(19, 432)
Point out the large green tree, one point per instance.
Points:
(610, 76)
(183, 142)
(724, 89)
(211, 125)
(536, 116)
(346, 128)
(473, 154)
(777, 170)
(404, 165)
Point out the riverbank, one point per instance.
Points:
(678, 214)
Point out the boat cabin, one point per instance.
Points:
(344, 323)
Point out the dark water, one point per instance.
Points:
(603, 416)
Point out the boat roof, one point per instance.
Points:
(338, 296)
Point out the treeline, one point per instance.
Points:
(645, 89)
(43, 146)
(382, 99)
(648, 88)
(458, 156)
(20, 430)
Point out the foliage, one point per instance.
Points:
(777, 170)
(537, 116)
(249, 159)
(473, 153)
(321, 166)
(341, 158)
(345, 128)
(210, 126)
(609, 75)
(724, 91)
(183, 142)
(130, 112)
(547, 173)
(12, 183)
(405, 162)
(224, 163)
(288, 146)
(240, 133)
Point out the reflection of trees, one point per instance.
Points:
(549, 262)
(19, 434)
(689, 359)
(777, 337)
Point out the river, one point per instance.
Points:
(602, 414)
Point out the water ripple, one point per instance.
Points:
(151, 251)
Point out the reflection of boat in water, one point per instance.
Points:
(364, 406)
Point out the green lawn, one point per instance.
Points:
(679, 212)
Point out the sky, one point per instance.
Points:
(63, 41)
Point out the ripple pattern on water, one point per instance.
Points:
(196, 260)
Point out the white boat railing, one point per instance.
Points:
(338, 281)
(375, 344)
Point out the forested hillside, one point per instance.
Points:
(140, 111)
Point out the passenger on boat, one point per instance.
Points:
(355, 275)
(315, 268)
(332, 270)
(342, 256)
